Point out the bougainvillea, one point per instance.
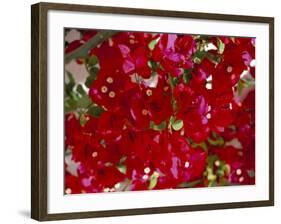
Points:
(158, 111)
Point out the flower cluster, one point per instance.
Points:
(160, 111)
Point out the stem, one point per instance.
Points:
(172, 91)
(83, 50)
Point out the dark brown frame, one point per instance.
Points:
(39, 110)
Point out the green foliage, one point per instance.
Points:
(121, 166)
(92, 60)
(153, 65)
(199, 56)
(153, 180)
(216, 171)
(202, 145)
(95, 111)
(214, 58)
(84, 101)
(153, 43)
(245, 82)
(209, 173)
(190, 184)
(92, 68)
(76, 95)
(177, 125)
(90, 80)
(83, 120)
(158, 127)
(70, 84)
(81, 90)
(201, 52)
(221, 46)
(216, 140)
(124, 185)
(187, 76)
(71, 96)
(173, 81)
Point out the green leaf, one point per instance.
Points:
(153, 65)
(224, 182)
(203, 145)
(122, 168)
(189, 184)
(187, 76)
(83, 120)
(172, 120)
(173, 81)
(92, 76)
(221, 46)
(199, 56)
(214, 58)
(177, 125)
(89, 81)
(92, 60)
(158, 127)
(153, 180)
(80, 89)
(70, 104)
(70, 84)
(95, 111)
(245, 82)
(220, 172)
(213, 174)
(240, 87)
(212, 182)
(211, 160)
(74, 95)
(226, 169)
(216, 140)
(124, 185)
(91, 65)
(84, 101)
(93, 71)
(174, 104)
(153, 43)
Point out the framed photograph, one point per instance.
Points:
(138, 111)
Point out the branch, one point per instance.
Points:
(83, 50)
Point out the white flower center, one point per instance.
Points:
(111, 94)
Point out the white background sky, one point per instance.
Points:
(15, 112)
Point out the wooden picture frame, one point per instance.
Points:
(39, 109)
